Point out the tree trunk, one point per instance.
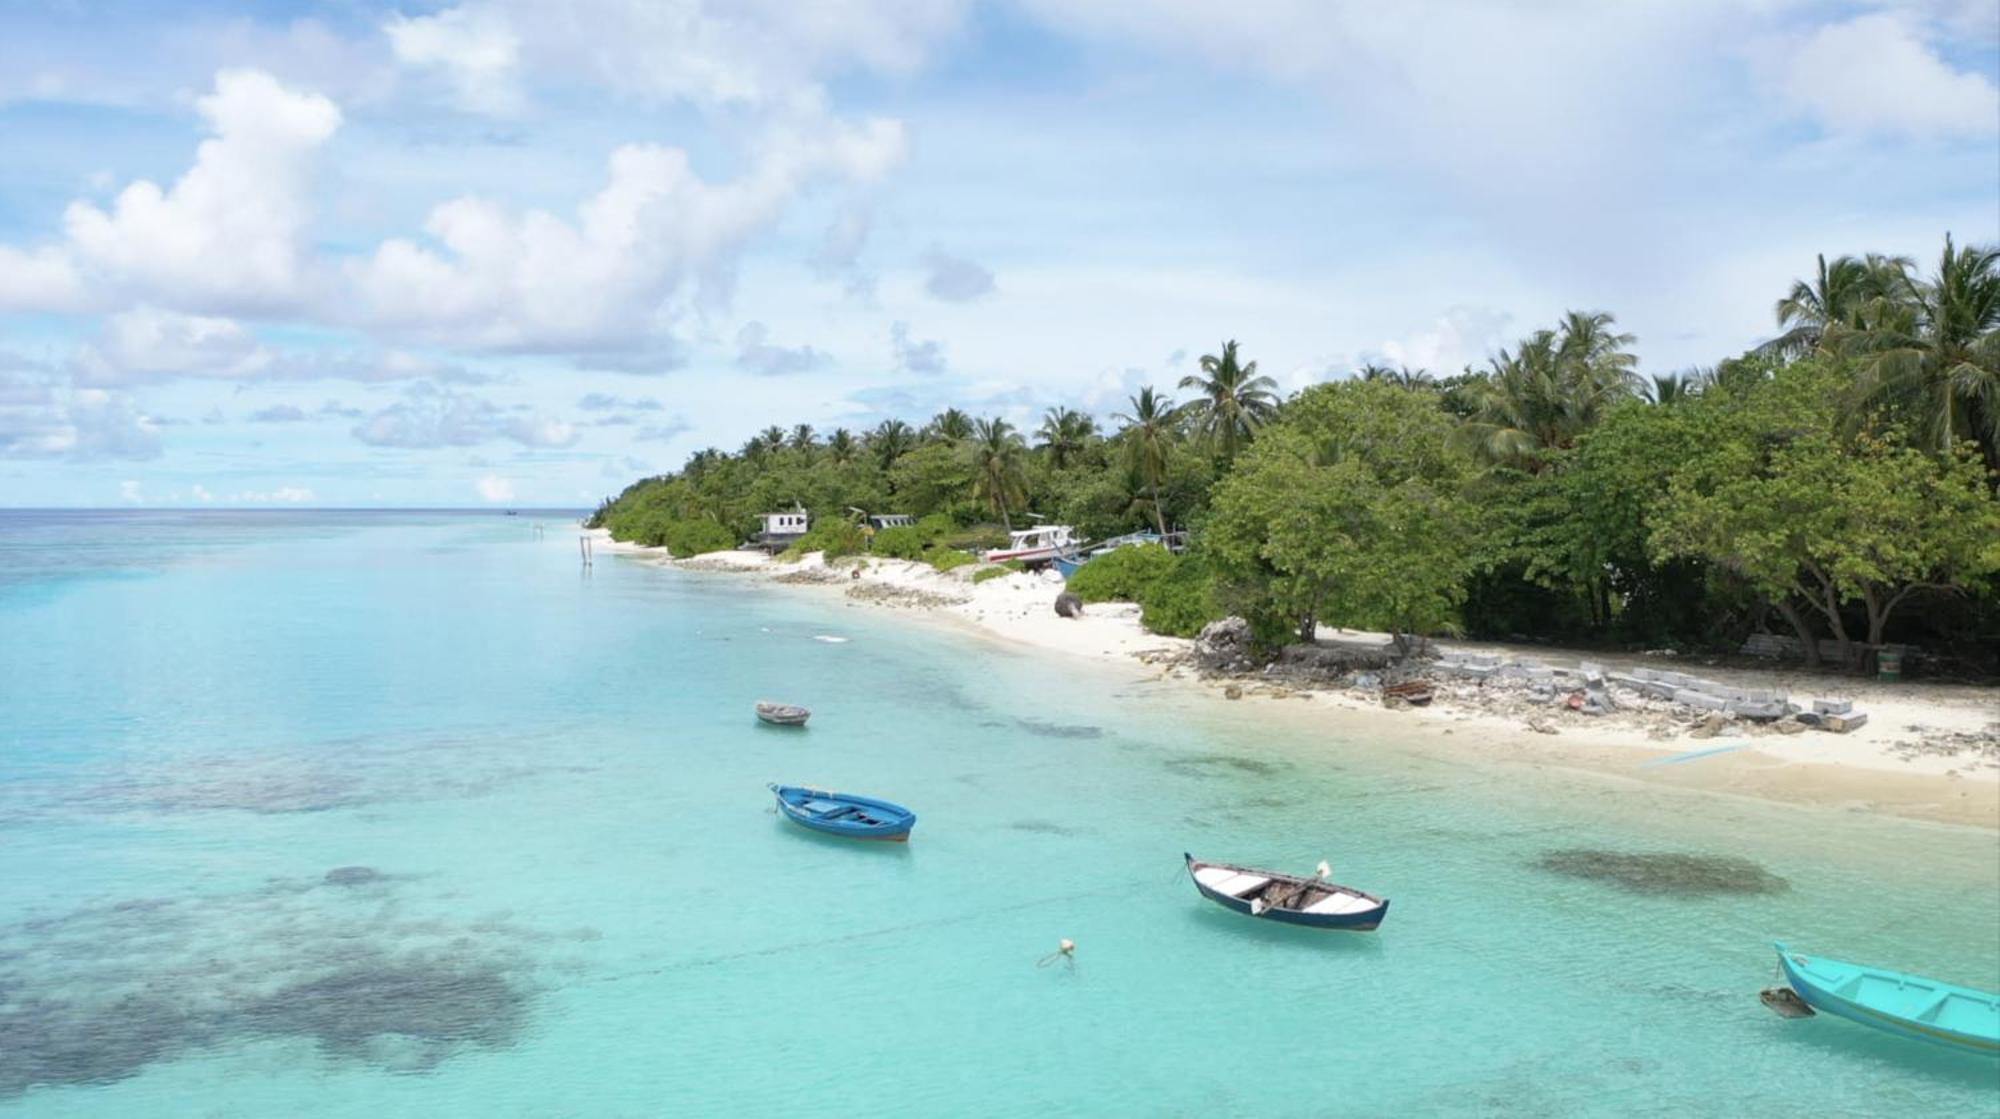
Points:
(1006, 522)
(1159, 518)
(1808, 640)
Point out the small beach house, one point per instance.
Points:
(780, 530)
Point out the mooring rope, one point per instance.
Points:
(869, 934)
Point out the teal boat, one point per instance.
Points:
(1909, 1005)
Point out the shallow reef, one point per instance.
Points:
(1664, 873)
(98, 993)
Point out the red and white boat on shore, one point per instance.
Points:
(1035, 546)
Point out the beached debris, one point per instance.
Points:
(1069, 605)
(1666, 873)
(1333, 659)
(1416, 693)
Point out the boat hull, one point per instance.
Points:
(1367, 920)
(1831, 987)
(885, 822)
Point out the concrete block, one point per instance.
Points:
(1758, 709)
(1841, 724)
(1832, 706)
(1690, 698)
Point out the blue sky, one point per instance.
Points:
(516, 253)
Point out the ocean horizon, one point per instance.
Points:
(342, 813)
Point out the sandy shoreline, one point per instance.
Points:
(1911, 759)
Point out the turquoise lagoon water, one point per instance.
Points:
(558, 889)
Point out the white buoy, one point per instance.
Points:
(1325, 871)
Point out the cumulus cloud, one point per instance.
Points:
(756, 353)
(146, 342)
(228, 235)
(955, 279)
(473, 46)
(915, 355)
(1874, 74)
(606, 280)
(80, 424)
(431, 417)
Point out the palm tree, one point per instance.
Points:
(950, 425)
(998, 477)
(802, 438)
(1233, 402)
(842, 447)
(1931, 348)
(891, 440)
(1553, 389)
(1150, 429)
(1831, 301)
(1064, 433)
(1402, 376)
(1668, 389)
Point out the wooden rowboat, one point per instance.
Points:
(782, 714)
(1288, 899)
(844, 814)
(1890, 1001)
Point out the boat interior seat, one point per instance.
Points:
(1338, 903)
(1239, 885)
(827, 808)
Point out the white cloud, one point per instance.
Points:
(230, 233)
(494, 489)
(741, 53)
(1461, 336)
(131, 492)
(430, 417)
(146, 342)
(473, 45)
(614, 277)
(80, 425)
(1874, 74)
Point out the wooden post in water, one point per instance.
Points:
(583, 547)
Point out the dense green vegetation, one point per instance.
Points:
(1836, 483)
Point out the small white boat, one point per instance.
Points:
(1037, 545)
(782, 714)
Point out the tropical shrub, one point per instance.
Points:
(1181, 599)
(1121, 574)
(947, 559)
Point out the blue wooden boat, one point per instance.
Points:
(1288, 899)
(1906, 1005)
(844, 814)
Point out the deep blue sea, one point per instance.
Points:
(373, 814)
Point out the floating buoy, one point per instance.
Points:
(1065, 951)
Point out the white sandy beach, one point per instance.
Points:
(1904, 761)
